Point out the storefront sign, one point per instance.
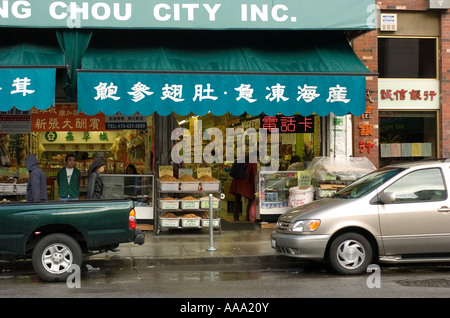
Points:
(15, 121)
(119, 122)
(78, 140)
(65, 117)
(366, 146)
(366, 129)
(288, 124)
(77, 147)
(182, 93)
(244, 14)
(408, 94)
(24, 88)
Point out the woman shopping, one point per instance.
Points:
(244, 186)
(95, 183)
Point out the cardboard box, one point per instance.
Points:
(326, 190)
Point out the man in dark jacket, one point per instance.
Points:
(37, 180)
(69, 180)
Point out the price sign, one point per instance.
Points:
(304, 179)
(203, 171)
(184, 172)
(165, 170)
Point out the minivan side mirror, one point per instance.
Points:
(388, 197)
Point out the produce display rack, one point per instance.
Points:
(181, 223)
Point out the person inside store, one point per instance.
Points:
(69, 180)
(296, 164)
(95, 183)
(37, 180)
(243, 185)
(130, 182)
(131, 169)
(5, 156)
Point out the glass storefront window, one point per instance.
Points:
(407, 57)
(407, 135)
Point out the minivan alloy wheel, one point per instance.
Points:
(350, 253)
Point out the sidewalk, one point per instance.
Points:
(191, 247)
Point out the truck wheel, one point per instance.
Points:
(350, 254)
(54, 254)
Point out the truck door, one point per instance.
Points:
(418, 222)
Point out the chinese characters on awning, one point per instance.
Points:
(24, 88)
(165, 93)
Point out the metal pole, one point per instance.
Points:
(211, 228)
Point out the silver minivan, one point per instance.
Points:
(399, 213)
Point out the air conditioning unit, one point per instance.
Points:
(388, 22)
(438, 4)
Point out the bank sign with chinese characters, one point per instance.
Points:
(226, 14)
(408, 94)
(182, 93)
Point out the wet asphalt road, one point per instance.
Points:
(259, 281)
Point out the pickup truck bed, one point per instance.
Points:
(56, 234)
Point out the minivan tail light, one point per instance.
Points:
(132, 219)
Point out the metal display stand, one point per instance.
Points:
(160, 193)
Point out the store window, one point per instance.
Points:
(407, 135)
(407, 57)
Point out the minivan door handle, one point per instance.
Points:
(444, 209)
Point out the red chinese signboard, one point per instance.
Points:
(288, 124)
(401, 94)
(65, 117)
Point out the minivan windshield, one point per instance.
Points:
(367, 183)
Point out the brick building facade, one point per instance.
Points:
(416, 20)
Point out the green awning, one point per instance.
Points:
(31, 55)
(223, 51)
(29, 48)
(200, 15)
(306, 66)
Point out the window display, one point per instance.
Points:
(138, 188)
(274, 193)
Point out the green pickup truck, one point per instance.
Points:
(56, 234)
